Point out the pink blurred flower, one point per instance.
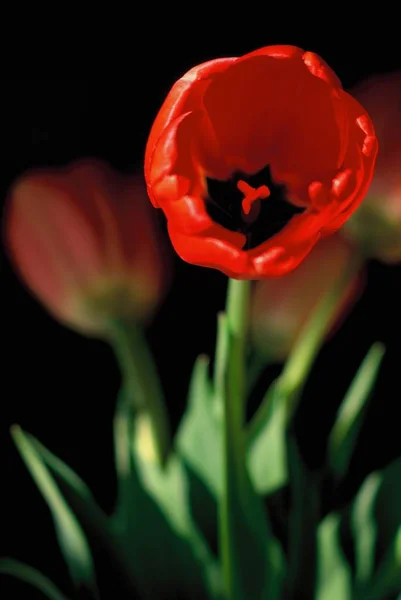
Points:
(84, 241)
(281, 306)
(376, 225)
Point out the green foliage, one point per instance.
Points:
(152, 533)
(71, 537)
(334, 573)
(350, 416)
(373, 523)
(30, 575)
(255, 568)
(169, 493)
(266, 454)
(153, 521)
(199, 438)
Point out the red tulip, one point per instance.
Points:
(84, 241)
(282, 306)
(253, 159)
(376, 225)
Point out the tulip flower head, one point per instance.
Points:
(253, 159)
(84, 242)
(376, 225)
(282, 306)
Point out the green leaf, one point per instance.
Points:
(71, 538)
(387, 513)
(123, 432)
(137, 523)
(267, 457)
(387, 579)
(388, 507)
(93, 520)
(65, 472)
(169, 488)
(141, 381)
(199, 438)
(198, 442)
(30, 575)
(306, 347)
(375, 521)
(150, 522)
(344, 434)
(364, 527)
(334, 574)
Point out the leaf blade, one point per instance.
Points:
(334, 574)
(30, 575)
(199, 437)
(350, 415)
(151, 529)
(266, 452)
(72, 540)
(364, 527)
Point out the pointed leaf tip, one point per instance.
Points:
(71, 538)
(351, 413)
(28, 574)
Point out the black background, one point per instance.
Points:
(61, 386)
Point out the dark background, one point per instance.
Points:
(61, 386)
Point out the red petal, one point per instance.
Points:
(276, 261)
(189, 215)
(184, 96)
(319, 68)
(270, 111)
(278, 51)
(215, 251)
(359, 160)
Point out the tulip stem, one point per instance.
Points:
(237, 323)
(300, 362)
(304, 484)
(232, 334)
(141, 381)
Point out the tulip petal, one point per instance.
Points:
(269, 111)
(277, 108)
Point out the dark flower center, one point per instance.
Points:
(253, 205)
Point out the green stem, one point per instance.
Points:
(231, 390)
(299, 363)
(123, 435)
(27, 574)
(237, 323)
(304, 484)
(141, 380)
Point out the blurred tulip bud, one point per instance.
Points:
(376, 225)
(84, 241)
(282, 306)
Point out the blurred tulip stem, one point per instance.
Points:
(141, 383)
(306, 348)
(231, 389)
(304, 484)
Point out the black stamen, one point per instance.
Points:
(224, 205)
